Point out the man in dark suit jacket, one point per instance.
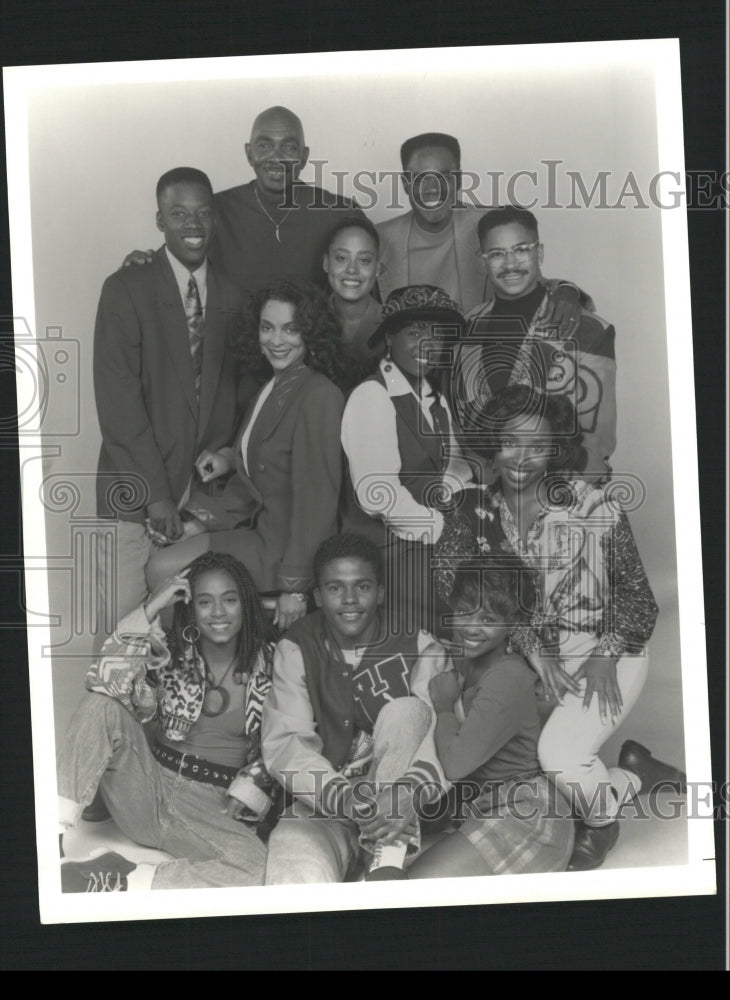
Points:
(164, 381)
(275, 225)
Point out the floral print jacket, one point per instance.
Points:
(588, 571)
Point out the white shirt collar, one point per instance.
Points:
(398, 385)
(182, 277)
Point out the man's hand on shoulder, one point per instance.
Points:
(164, 518)
(137, 258)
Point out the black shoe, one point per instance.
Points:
(107, 873)
(96, 811)
(652, 773)
(592, 844)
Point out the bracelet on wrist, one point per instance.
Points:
(297, 595)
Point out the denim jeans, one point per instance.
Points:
(105, 747)
(309, 848)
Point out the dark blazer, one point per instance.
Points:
(286, 504)
(152, 428)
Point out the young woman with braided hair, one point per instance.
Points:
(200, 792)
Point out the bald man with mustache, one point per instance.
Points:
(275, 225)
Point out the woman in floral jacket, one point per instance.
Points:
(596, 610)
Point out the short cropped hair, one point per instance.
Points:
(440, 139)
(504, 216)
(354, 222)
(183, 175)
(347, 546)
(500, 584)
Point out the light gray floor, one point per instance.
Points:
(656, 722)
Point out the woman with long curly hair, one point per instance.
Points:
(200, 791)
(596, 608)
(281, 501)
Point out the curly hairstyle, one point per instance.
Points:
(317, 325)
(523, 401)
(347, 546)
(500, 584)
(257, 631)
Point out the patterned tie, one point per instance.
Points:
(194, 314)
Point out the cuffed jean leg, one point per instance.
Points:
(106, 748)
(307, 849)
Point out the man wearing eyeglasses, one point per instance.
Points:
(435, 242)
(509, 341)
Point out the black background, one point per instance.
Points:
(652, 934)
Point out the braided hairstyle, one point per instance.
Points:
(257, 631)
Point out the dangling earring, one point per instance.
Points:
(191, 633)
(388, 359)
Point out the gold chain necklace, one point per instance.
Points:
(269, 217)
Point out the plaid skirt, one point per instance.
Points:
(520, 826)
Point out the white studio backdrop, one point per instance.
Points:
(96, 152)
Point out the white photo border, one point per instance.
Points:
(694, 878)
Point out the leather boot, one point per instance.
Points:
(592, 844)
(652, 773)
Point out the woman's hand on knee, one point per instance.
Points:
(555, 679)
(601, 680)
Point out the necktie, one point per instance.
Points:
(194, 314)
(441, 426)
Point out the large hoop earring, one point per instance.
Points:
(187, 633)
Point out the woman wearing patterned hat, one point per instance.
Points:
(403, 460)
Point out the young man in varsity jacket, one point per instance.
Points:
(348, 727)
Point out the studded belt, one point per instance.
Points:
(187, 765)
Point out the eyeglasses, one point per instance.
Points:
(521, 252)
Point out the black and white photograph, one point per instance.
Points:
(358, 467)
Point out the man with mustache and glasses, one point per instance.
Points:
(509, 341)
(435, 243)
